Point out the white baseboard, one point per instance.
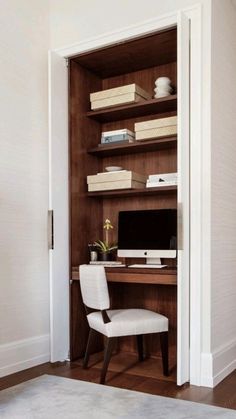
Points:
(206, 370)
(217, 365)
(224, 361)
(22, 354)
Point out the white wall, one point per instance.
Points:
(24, 295)
(24, 40)
(75, 20)
(223, 338)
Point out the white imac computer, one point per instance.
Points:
(150, 234)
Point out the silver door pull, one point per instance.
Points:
(50, 230)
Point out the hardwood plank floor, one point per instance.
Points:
(224, 395)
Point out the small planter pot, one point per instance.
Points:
(106, 256)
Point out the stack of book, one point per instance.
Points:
(155, 128)
(129, 93)
(109, 263)
(117, 136)
(165, 179)
(122, 179)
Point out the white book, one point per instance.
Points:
(120, 184)
(116, 100)
(160, 184)
(155, 123)
(122, 175)
(118, 132)
(148, 134)
(108, 173)
(121, 90)
(107, 262)
(164, 176)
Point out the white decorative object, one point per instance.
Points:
(163, 87)
(113, 168)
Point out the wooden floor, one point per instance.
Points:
(223, 395)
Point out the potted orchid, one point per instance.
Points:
(104, 248)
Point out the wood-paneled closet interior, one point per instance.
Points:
(140, 61)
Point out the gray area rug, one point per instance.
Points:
(49, 397)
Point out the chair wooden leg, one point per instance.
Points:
(107, 356)
(140, 347)
(92, 334)
(165, 352)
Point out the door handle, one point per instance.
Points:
(50, 230)
(180, 227)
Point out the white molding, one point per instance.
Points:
(58, 202)
(206, 370)
(219, 364)
(224, 361)
(183, 202)
(196, 197)
(109, 38)
(125, 33)
(22, 354)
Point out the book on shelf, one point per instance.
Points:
(160, 184)
(116, 100)
(117, 138)
(118, 132)
(119, 91)
(148, 134)
(117, 135)
(155, 123)
(164, 179)
(119, 184)
(121, 175)
(113, 143)
(163, 176)
(114, 172)
(107, 262)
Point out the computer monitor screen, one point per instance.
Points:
(147, 233)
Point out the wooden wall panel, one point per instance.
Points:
(85, 214)
(88, 214)
(84, 133)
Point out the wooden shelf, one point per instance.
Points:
(133, 110)
(136, 147)
(123, 193)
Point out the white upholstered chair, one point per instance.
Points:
(115, 323)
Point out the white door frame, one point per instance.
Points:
(192, 289)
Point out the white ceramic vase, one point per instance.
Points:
(163, 87)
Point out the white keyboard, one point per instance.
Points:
(147, 266)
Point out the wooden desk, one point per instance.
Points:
(164, 276)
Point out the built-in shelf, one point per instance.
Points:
(136, 147)
(133, 110)
(133, 192)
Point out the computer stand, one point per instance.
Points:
(153, 261)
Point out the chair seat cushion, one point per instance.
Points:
(128, 322)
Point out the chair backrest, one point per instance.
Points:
(94, 287)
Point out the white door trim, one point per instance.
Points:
(59, 203)
(196, 196)
(160, 23)
(183, 199)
